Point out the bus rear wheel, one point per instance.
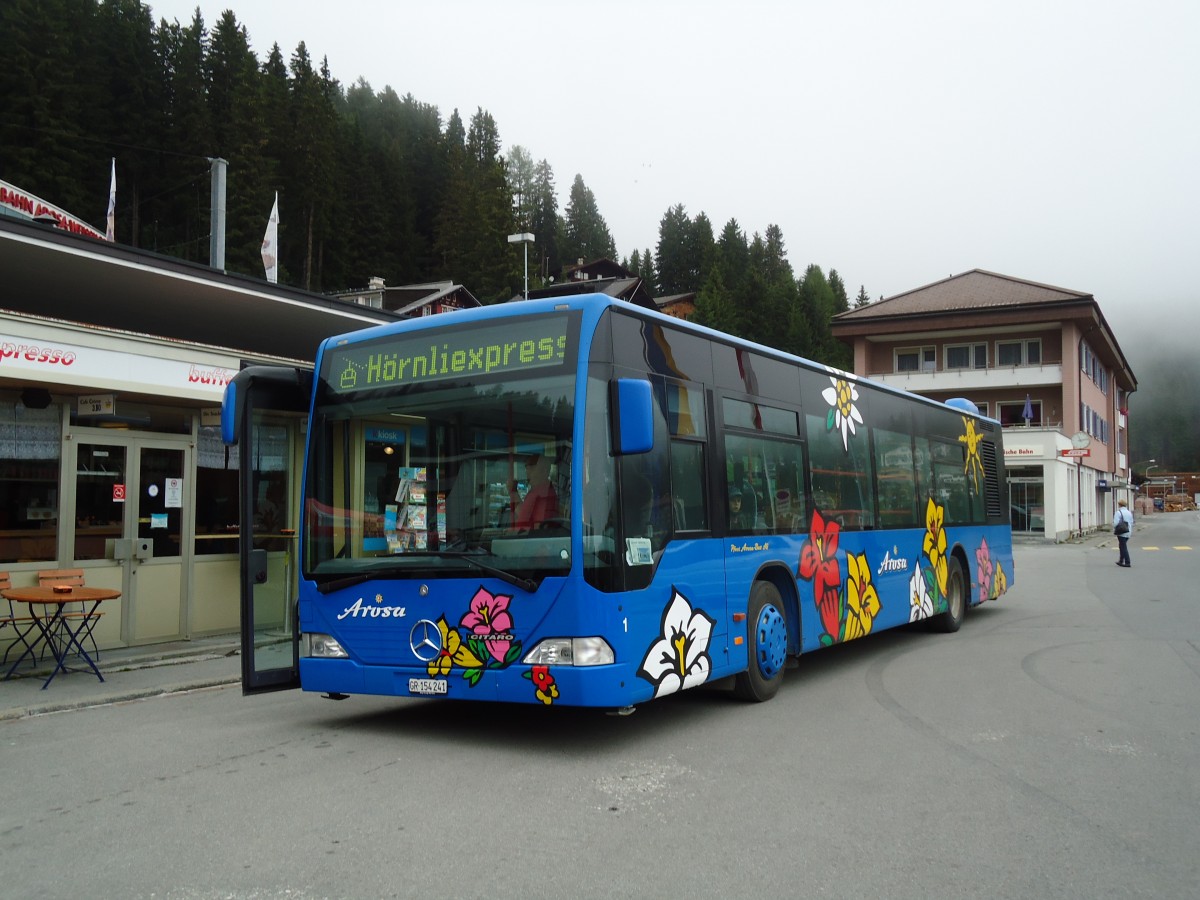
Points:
(956, 599)
(767, 639)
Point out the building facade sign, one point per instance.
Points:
(25, 205)
(55, 362)
(1015, 451)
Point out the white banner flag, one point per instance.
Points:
(270, 244)
(110, 230)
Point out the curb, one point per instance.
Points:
(161, 659)
(125, 696)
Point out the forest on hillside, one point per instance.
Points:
(375, 183)
(370, 183)
(1164, 413)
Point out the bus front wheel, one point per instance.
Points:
(766, 636)
(956, 599)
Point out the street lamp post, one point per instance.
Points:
(523, 238)
(1149, 483)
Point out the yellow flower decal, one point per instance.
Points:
(442, 663)
(935, 542)
(862, 600)
(453, 653)
(972, 439)
(1000, 582)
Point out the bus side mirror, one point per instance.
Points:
(633, 416)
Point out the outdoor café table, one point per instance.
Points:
(60, 632)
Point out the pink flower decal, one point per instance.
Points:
(490, 621)
(983, 558)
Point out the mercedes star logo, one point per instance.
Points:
(425, 640)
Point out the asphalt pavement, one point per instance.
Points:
(129, 674)
(136, 673)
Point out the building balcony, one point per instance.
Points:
(967, 381)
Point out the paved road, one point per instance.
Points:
(1049, 749)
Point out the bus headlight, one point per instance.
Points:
(587, 651)
(321, 645)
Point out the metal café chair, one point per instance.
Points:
(21, 625)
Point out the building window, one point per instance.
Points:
(30, 444)
(916, 359)
(966, 356)
(1013, 413)
(1093, 367)
(1019, 353)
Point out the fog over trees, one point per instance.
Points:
(377, 183)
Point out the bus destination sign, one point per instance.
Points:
(490, 349)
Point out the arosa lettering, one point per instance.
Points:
(421, 359)
(892, 564)
(35, 354)
(365, 611)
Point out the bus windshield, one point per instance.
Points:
(450, 476)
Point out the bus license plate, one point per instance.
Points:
(427, 686)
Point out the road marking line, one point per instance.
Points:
(1181, 548)
(1149, 548)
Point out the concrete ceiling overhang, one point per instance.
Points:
(50, 273)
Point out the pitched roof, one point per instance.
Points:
(630, 289)
(409, 298)
(971, 290)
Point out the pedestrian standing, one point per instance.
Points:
(1122, 528)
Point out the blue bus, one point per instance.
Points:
(580, 502)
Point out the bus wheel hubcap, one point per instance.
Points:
(771, 644)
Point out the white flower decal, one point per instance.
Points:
(921, 604)
(842, 411)
(679, 659)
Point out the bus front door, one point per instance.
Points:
(262, 413)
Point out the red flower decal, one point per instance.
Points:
(819, 564)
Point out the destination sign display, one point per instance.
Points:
(509, 346)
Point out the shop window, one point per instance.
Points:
(216, 493)
(30, 449)
(217, 514)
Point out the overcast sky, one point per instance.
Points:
(895, 142)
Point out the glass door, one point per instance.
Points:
(158, 502)
(1027, 505)
(100, 493)
(131, 506)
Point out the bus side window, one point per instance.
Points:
(896, 480)
(787, 496)
(950, 480)
(841, 475)
(687, 486)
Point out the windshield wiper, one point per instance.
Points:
(338, 584)
(524, 584)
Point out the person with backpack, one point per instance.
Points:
(1122, 528)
